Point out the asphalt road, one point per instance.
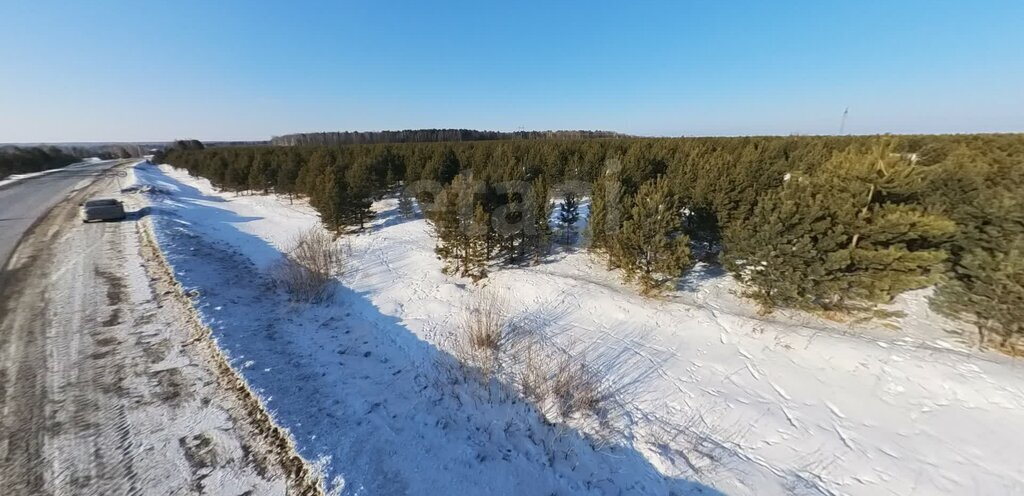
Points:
(107, 383)
(24, 202)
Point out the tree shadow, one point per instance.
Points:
(389, 217)
(357, 388)
(699, 275)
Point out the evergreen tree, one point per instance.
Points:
(604, 215)
(330, 198)
(444, 218)
(260, 178)
(357, 208)
(989, 290)
(287, 176)
(406, 208)
(453, 221)
(362, 181)
(537, 229)
(512, 218)
(842, 236)
(596, 216)
(651, 247)
(568, 215)
(443, 168)
(476, 251)
(731, 185)
(236, 178)
(310, 174)
(983, 192)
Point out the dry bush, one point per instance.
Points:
(486, 326)
(486, 337)
(580, 388)
(533, 377)
(308, 270)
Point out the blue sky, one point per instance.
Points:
(121, 70)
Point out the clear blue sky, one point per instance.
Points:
(125, 70)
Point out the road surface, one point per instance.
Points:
(23, 202)
(103, 387)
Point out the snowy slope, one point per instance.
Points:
(786, 404)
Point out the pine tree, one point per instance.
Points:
(330, 198)
(311, 173)
(989, 289)
(447, 226)
(260, 178)
(651, 247)
(443, 167)
(287, 176)
(357, 208)
(236, 178)
(605, 208)
(568, 215)
(537, 233)
(596, 216)
(512, 218)
(461, 230)
(984, 195)
(406, 208)
(841, 237)
(476, 251)
(362, 184)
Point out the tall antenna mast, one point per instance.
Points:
(842, 123)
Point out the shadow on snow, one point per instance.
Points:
(359, 390)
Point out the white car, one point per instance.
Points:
(103, 209)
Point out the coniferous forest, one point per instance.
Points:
(21, 160)
(817, 223)
(428, 135)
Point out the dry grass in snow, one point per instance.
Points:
(508, 357)
(308, 269)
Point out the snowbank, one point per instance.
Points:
(725, 398)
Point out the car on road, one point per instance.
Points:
(102, 209)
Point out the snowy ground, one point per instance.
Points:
(720, 396)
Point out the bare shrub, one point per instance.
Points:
(534, 375)
(577, 387)
(486, 337)
(308, 270)
(486, 326)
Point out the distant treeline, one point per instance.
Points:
(25, 159)
(428, 135)
(820, 223)
(21, 160)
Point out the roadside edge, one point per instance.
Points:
(279, 448)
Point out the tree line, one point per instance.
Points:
(819, 223)
(26, 159)
(22, 160)
(427, 135)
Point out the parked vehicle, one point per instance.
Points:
(102, 209)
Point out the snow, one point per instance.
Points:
(720, 396)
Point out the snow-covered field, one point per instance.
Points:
(720, 397)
